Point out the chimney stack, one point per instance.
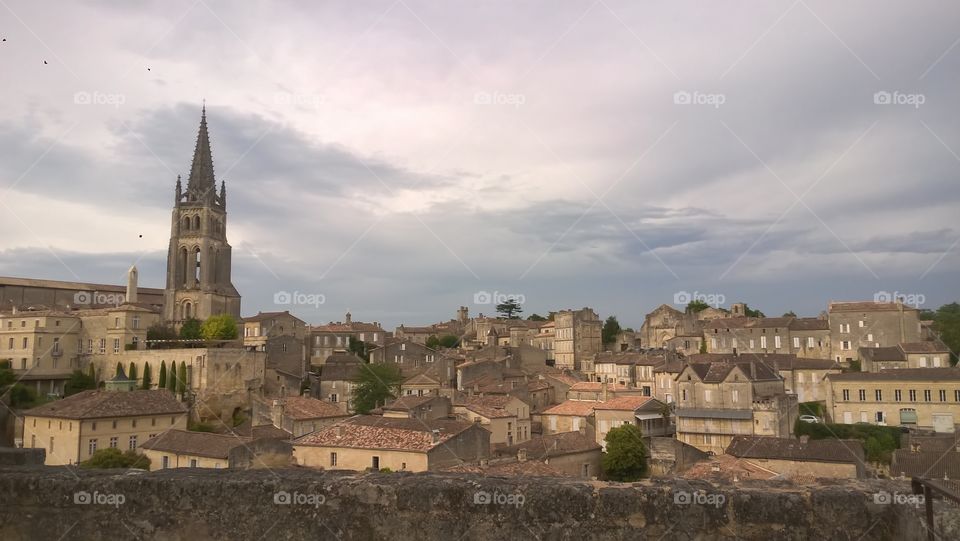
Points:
(340, 431)
(436, 435)
(521, 455)
(603, 388)
(583, 431)
(132, 285)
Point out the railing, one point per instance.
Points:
(927, 487)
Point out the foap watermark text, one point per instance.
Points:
(286, 298)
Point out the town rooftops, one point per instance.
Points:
(629, 358)
(421, 379)
(491, 407)
(106, 404)
(304, 407)
(410, 402)
(579, 408)
(826, 450)
(778, 361)
(887, 353)
(391, 433)
(809, 324)
(341, 367)
(263, 316)
(596, 386)
(868, 306)
(82, 286)
(561, 443)
(928, 346)
(625, 403)
(904, 374)
(716, 372)
(511, 468)
(184, 442)
(749, 322)
(353, 326)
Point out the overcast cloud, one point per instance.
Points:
(398, 157)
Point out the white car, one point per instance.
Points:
(809, 418)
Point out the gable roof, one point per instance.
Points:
(868, 306)
(512, 468)
(825, 450)
(409, 402)
(561, 443)
(489, 406)
(809, 324)
(579, 408)
(928, 346)
(304, 407)
(107, 404)
(716, 372)
(777, 361)
(626, 403)
(886, 353)
(374, 432)
(185, 442)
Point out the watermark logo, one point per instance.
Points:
(299, 100)
(286, 298)
(682, 497)
(683, 298)
(98, 498)
(485, 297)
(885, 498)
(283, 497)
(96, 298)
(910, 299)
(98, 98)
(683, 97)
(482, 497)
(896, 97)
(499, 98)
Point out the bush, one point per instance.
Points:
(112, 457)
(879, 442)
(200, 427)
(812, 408)
(626, 456)
(78, 381)
(222, 327)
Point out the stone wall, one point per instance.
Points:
(50, 503)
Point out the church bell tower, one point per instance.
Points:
(198, 261)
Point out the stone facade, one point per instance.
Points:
(577, 338)
(855, 325)
(927, 398)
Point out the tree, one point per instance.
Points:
(172, 377)
(159, 331)
(190, 330)
(611, 328)
(92, 372)
(509, 308)
(750, 312)
(162, 382)
(433, 342)
(78, 382)
(359, 348)
(147, 376)
(703, 346)
(626, 456)
(112, 458)
(132, 373)
(182, 378)
(536, 317)
(696, 305)
(375, 383)
(222, 327)
(946, 323)
(449, 341)
(119, 368)
(791, 313)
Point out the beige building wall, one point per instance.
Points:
(806, 469)
(176, 460)
(931, 401)
(358, 459)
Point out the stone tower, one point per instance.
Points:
(198, 261)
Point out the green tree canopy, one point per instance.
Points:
(147, 377)
(132, 372)
(79, 381)
(359, 348)
(611, 328)
(172, 377)
(946, 323)
(696, 305)
(536, 317)
(750, 312)
(159, 331)
(626, 456)
(190, 330)
(221, 327)
(374, 385)
(182, 378)
(449, 341)
(119, 368)
(111, 457)
(510, 308)
(433, 342)
(162, 382)
(791, 313)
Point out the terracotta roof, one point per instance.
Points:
(373, 432)
(491, 407)
(596, 386)
(184, 442)
(625, 403)
(868, 306)
(513, 468)
(537, 385)
(106, 404)
(825, 450)
(407, 403)
(580, 408)
(563, 378)
(561, 443)
(726, 468)
(929, 346)
(304, 407)
(906, 374)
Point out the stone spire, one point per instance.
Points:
(201, 185)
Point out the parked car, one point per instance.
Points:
(810, 418)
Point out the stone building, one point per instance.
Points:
(928, 354)
(70, 430)
(325, 340)
(718, 401)
(927, 398)
(806, 378)
(337, 378)
(569, 416)
(185, 449)
(199, 257)
(855, 325)
(35, 294)
(807, 337)
(577, 338)
(301, 415)
(643, 411)
(572, 454)
(802, 459)
(506, 417)
(372, 442)
(282, 337)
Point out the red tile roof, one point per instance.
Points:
(106, 404)
(624, 403)
(304, 407)
(580, 408)
(373, 432)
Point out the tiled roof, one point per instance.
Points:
(778, 361)
(491, 407)
(905, 374)
(716, 372)
(825, 450)
(929, 346)
(373, 432)
(630, 358)
(868, 306)
(355, 326)
(106, 404)
(184, 442)
(537, 385)
(749, 322)
(513, 468)
(889, 353)
(927, 464)
(407, 403)
(304, 407)
(261, 316)
(580, 408)
(561, 443)
(726, 468)
(421, 379)
(596, 386)
(624, 403)
(809, 324)
(341, 367)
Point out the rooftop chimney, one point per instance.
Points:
(603, 388)
(132, 284)
(583, 431)
(436, 435)
(340, 431)
(349, 317)
(521, 455)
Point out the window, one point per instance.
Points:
(136, 322)
(956, 395)
(913, 395)
(845, 345)
(796, 342)
(132, 444)
(116, 345)
(846, 394)
(92, 446)
(860, 323)
(862, 394)
(707, 396)
(683, 394)
(114, 441)
(878, 395)
(879, 417)
(751, 343)
(164, 461)
(375, 463)
(897, 395)
(926, 395)
(102, 346)
(193, 463)
(943, 395)
(809, 341)
(735, 395)
(24, 342)
(776, 341)
(713, 343)
(763, 342)
(333, 459)
(51, 445)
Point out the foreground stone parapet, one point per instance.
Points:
(193, 504)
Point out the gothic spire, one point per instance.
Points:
(201, 184)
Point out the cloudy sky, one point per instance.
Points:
(396, 158)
